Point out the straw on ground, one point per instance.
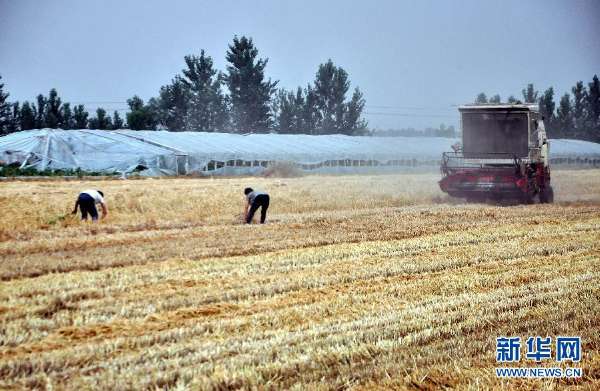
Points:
(356, 281)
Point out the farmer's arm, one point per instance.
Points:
(246, 209)
(76, 205)
(104, 209)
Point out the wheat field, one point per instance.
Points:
(366, 282)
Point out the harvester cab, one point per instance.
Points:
(504, 154)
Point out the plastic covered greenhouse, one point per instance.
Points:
(156, 153)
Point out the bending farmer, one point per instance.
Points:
(256, 199)
(87, 201)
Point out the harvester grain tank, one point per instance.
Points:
(504, 154)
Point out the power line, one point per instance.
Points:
(409, 107)
(97, 102)
(412, 115)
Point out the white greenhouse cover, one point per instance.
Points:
(160, 152)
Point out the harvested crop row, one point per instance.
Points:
(323, 297)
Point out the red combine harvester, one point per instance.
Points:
(504, 155)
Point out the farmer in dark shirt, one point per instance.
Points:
(256, 199)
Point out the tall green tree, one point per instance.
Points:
(249, 92)
(289, 111)
(547, 107)
(14, 118)
(530, 94)
(40, 110)
(80, 117)
(331, 86)
(512, 100)
(140, 116)
(136, 117)
(310, 112)
(495, 99)
(283, 112)
(481, 98)
(322, 108)
(593, 107)
(172, 106)
(353, 123)
(66, 114)
(207, 108)
(117, 121)
(152, 114)
(52, 111)
(101, 120)
(4, 109)
(27, 117)
(564, 117)
(579, 108)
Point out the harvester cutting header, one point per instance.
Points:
(504, 154)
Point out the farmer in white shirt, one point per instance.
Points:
(256, 199)
(87, 201)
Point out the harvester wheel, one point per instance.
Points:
(527, 199)
(547, 195)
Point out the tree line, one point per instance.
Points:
(202, 98)
(576, 116)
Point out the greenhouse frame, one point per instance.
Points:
(158, 153)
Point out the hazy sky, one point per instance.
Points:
(413, 60)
